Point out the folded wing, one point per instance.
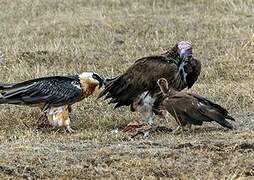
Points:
(197, 109)
(53, 91)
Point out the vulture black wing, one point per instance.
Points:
(140, 77)
(54, 91)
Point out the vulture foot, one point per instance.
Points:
(69, 129)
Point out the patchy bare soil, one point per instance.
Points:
(206, 152)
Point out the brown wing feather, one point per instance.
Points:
(140, 77)
(182, 107)
(213, 105)
(195, 109)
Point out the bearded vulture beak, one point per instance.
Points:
(192, 109)
(54, 94)
(99, 79)
(91, 78)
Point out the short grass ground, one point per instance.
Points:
(42, 38)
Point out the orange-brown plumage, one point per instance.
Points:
(87, 87)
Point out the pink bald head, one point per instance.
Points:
(184, 49)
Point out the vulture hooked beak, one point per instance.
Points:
(99, 79)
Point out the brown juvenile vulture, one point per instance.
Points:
(188, 108)
(54, 95)
(138, 85)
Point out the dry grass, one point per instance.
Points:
(106, 36)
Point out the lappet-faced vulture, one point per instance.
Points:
(137, 86)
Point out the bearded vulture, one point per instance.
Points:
(138, 85)
(54, 95)
(189, 108)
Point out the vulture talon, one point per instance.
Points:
(70, 130)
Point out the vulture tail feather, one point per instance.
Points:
(220, 118)
(113, 87)
(224, 123)
(109, 85)
(230, 117)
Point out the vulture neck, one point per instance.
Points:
(179, 81)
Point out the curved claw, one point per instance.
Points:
(69, 129)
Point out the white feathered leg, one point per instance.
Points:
(146, 107)
(143, 105)
(60, 116)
